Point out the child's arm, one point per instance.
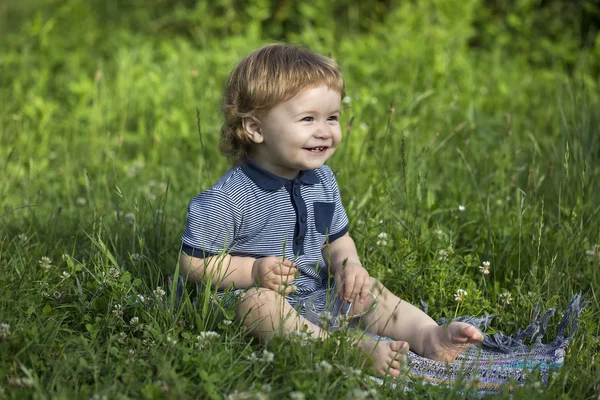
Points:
(240, 272)
(351, 277)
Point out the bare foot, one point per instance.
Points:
(386, 356)
(446, 342)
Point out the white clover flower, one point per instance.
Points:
(594, 253)
(66, 275)
(461, 208)
(81, 201)
(297, 395)
(324, 367)
(382, 239)
(114, 273)
(505, 297)
(159, 292)
(4, 331)
(240, 396)
(227, 322)
(207, 338)
(45, 263)
(460, 295)
(135, 256)
(130, 218)
(118, 311)
(300, 337)
(135, 321)
(358, 394)
(443, 255)
(22, 237)
(325, 318)
(268, 357)
(485, 268)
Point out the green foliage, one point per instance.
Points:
(109, 125)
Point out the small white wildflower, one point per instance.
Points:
(159, 292)
(57, 295)
(442, 255)
(81, 201)
(505, 297)
(297, 395)
(358, 394)
(252, 357)
(300, 337)
(66, 275)
(325, 318)
(594, 253)
(206, 338)
(45, 263)
(141, 298)
(22, 237)
(135, 321)
(438, 233)
(461, 208)
(171, 341)
(240, 396)
(130, 218)
(117, 311)
(324, 367)
(4, 331)
(65, 257)
(227, 322)
(268, 357)
(114, 273)
(382, 239)
(485, 268)
(121, 338)
(460, 295)
(135, 256)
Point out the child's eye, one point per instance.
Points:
(334, 118)
(308, 119)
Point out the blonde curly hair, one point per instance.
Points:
(266, 77)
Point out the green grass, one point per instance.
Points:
(106, 134)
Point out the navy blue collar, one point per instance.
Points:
(268, 181)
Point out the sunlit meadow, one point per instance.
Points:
(469, 171)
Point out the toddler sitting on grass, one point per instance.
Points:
(279, 202)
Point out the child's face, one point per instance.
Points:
(298, 134)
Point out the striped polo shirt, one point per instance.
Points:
(251, 212)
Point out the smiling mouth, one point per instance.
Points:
(316, 149)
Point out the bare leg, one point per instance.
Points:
(400, 320)
(267, 313)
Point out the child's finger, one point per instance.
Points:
(283, 270)
(364, 291)
(358, 284)
(289, 290)
(348, 288)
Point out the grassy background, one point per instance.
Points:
(109, 124)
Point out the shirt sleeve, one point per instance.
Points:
(339, 223)
(211, 226)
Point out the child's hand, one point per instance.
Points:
(275, 274)
(353, 280)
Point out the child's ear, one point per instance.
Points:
(252, 129)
